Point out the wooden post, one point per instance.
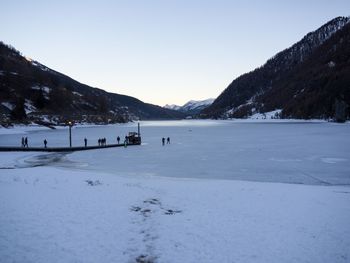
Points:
(70, 135)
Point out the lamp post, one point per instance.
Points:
(70, 124)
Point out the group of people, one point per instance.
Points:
(167, 141)
(126, 140)
(102, 142)
(24, 142)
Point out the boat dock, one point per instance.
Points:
(133, 138)
(61, 149)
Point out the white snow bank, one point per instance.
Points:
(51, 215)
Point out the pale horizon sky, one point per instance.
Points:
(161, 52)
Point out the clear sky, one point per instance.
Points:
(160, 51)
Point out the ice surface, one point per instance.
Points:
(303, 153)
(135, 204)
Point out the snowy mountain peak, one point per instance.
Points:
(198, 103)
(172, 107)
(191, 107)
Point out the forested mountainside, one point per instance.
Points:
(311, 79)
(31, 91)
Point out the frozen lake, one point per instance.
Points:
(154, 203)
(289, 152)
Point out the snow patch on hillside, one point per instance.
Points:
(275, 114)
(8, 105)
(29, 107)
(43, 88)
(77, 93)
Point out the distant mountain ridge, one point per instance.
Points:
(192, 107)
(31, 91)
(307, 80)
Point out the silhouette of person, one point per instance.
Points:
(45, 143)
(25, 142)
(99, 142)
(168, 140)
(85, 142)
(163, 141)
(118, 139)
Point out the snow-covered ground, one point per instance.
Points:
(175, 203)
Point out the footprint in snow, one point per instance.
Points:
(93, 183)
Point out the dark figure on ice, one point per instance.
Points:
(118, 139)
(45, 143)
(168, 140)
(163, 141)
(25, 142)
(85, 142)
(99, 142)
(23, 145)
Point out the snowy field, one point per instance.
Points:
(222, 191)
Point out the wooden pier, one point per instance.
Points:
(61, 149)
(133, 138)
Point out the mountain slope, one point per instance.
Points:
(34, 90)
(278, 82)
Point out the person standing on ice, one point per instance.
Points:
(25, 142)
(168, 140)
(163, 141)
(85, 142)
(45, 143)
(118, 139)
